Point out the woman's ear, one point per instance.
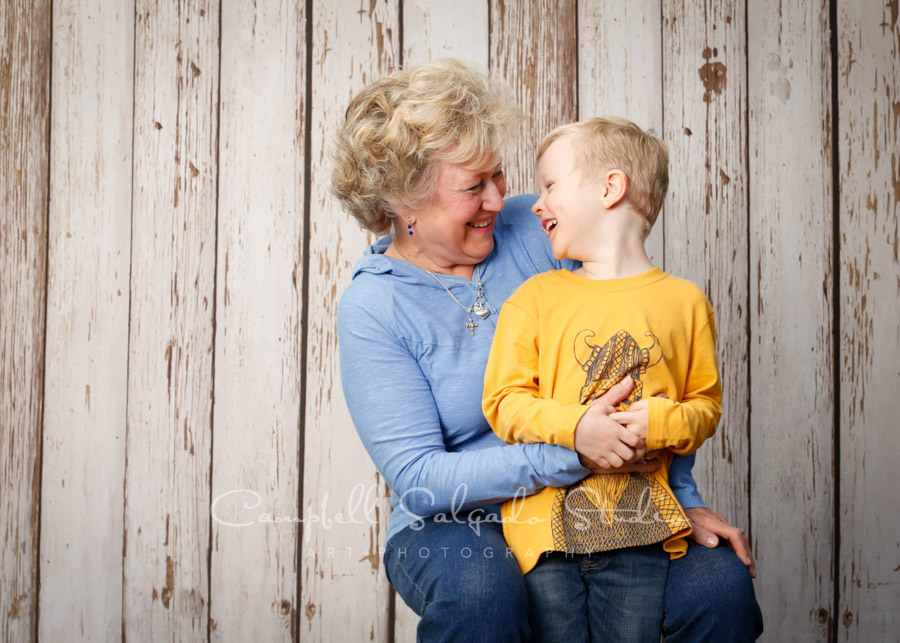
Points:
(615, 188)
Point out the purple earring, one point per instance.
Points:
(409, 225)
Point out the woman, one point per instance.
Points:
(419, 156)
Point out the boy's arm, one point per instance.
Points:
(512, 403)
(682, 426)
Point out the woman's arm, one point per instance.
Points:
(395, 414)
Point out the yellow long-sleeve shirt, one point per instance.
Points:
(561, 341)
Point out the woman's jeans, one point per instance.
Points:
(466, 586)
(610, 596)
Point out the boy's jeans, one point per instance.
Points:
(610, 596)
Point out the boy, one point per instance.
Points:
(595, 555)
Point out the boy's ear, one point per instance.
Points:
(615, 188)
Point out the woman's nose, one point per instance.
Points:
(493, 199)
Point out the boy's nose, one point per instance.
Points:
(538, 207)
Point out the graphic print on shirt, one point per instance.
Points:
(612, 511)
(608, 363)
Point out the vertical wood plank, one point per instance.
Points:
(258, 311)
(353, 43)
(791, 212)
(533, 49)
(704, 98)
(869, 155)
(445, 30)
(620, 72)
(440, 30)
(171, 328)
(87, 322)
(24, 115)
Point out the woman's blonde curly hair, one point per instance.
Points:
(400, 127)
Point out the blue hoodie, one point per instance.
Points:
(413, 377)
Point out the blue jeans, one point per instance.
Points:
(611, 596)
(710, 597)
(466, 587)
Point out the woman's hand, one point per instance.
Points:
(709, 526)
(650, 463)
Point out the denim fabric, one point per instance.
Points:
(611, 596)
(710, 597)
(464, 584)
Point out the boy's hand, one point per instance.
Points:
(603, 440)
(637, 418)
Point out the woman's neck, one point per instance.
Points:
(410, 254)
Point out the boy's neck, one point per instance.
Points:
(617, 249)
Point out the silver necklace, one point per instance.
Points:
(477, 307)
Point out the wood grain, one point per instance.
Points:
(620, 73)
(791, 356)
(704, 98)
(868, 84)
(87, 322)
(534, 50)
(167, 487)
(445, 30)
(339, 558)
(24, 157)
(259, 303)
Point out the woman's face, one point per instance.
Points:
(456, 228)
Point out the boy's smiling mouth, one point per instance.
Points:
(548, 224)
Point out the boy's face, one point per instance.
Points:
(567, 206)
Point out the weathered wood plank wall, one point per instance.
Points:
(167, 220)
(791, 368)
(344, 595)
(24, 168)
(868, 306)
(170, 356)
(259, 306)
(704, 103)
(86, 365)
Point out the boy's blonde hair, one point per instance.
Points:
(611, 143)
(399, 128)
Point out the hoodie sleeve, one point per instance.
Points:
(681, 481)
(402, 433)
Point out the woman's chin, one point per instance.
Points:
(481, 250)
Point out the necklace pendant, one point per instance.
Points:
(471, 325)
(479, 309)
